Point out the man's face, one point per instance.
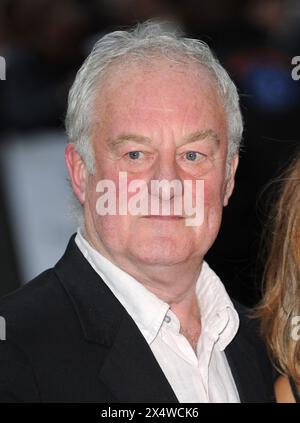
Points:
(166, 122)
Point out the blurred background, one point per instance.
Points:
(45, 41)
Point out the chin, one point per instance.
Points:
(164, 251)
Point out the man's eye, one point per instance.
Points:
(134, 155)
(193, 155)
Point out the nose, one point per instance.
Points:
(166, 167)
(166, 170)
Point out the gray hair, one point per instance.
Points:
(162, 39)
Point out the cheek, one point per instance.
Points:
(213, 204)
(206, 233)
(211, 190)
(212, 195)
(108, 225)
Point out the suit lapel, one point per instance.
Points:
(248, 377)
(130, 370)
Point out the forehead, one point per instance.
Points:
(140, 97)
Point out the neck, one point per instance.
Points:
(174, 284)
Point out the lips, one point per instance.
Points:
(163, 217)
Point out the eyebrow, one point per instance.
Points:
(126, 136)
(200, 136)
(193, 137)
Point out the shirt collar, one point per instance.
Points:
(145, 308)
(219, 319)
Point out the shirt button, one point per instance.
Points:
(167, 319)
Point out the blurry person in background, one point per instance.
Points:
(126, 12)
(258, 57)
(132, 312)
(280, 307)
(42, 42)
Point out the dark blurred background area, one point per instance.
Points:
(44, 43)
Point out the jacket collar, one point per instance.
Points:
(146, 309)
(98, 311)
(130, 369)
(248, 361)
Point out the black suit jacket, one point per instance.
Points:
(68, 339)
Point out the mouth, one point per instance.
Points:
(163, 217)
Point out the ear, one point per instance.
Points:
(230, 180)
(77, 171)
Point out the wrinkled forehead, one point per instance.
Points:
(157, 92)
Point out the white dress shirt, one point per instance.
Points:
(202, 377)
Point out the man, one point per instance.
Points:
(132, 312)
